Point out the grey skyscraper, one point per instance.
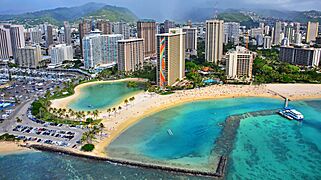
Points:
(5, 43)
(67, 32)
(232, 29)
(146, 29)
(267, 42)
(17, 38)
(277, 31)
(190, 40)
(168, 24)
(214, 40)
(49, 36)
(121, 28)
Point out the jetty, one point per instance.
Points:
(218, 174)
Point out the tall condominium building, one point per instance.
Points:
(84, 29)
(49, 36)
(267, 30)
(121, 28)
(60, 53)
(239, 63)
(277, 31)
(100, 49)
(259, 40)
(289, 33)
(267, 42)
(130, 54)
(255, 32)
(297, 38)
(312, 31)
(109, 51)
(17, 38)
(35, 35)
(301, 56)
(146, 29)
(170, 58)
(67, 33)
(5, 43)
(92, 50)
(190, 40)
(232, 31)
(214, 40)
(29, 56)
(167, 25)
(104, 26)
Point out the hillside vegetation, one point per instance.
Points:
(72, 14)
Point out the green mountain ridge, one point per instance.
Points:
(58, 15)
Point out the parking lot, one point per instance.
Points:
(20, 92)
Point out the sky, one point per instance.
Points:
(164, 8)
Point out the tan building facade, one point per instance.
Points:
(170, 57)
(146, 29)
(29, 56)
(239, 63)
(312, 31)
(214, 40)
(130, 54)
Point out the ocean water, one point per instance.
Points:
(103, 95)
(266, 147)
(271, 147)
(195, 127)
(50, 166)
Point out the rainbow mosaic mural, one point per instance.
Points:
(162, 80)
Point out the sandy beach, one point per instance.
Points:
(146, 104)
(149, 103)
(11, 147)
(64, 102)
(296, 91)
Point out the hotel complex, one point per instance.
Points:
(170, 57)
(130, 54)
(190, 40)
(28, 56)
(301, 56)
(239, 64)
(60, 53)
(100, 49)
(146, 29)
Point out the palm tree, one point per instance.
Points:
(95, 113)
(126, 101)
(78, 115)
(109, 110)
(101, 126)
(119, 108)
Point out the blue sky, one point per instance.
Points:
(165, 8)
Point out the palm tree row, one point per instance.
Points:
(90, 135)
(71, 114)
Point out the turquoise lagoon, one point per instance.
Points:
(102, 95)
(265, 147)
(195, 127)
